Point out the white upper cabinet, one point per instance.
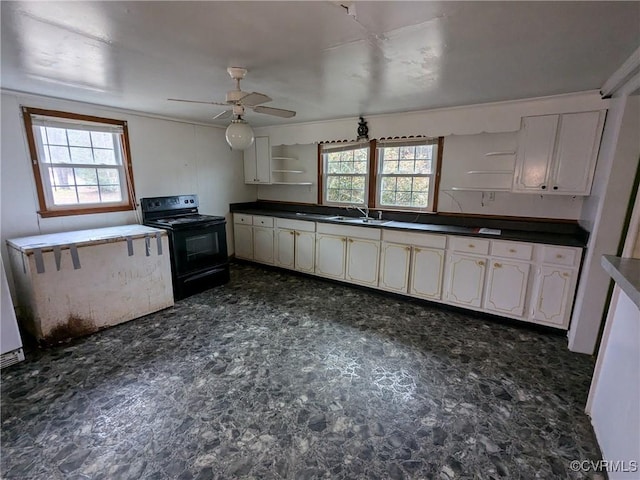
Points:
(557, 153)
(257, 162)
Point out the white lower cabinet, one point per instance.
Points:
(362, 261)
(395, 259)
(553, 292)
(243, 241)
(331, 251)
(465, 280)
(530, 282)
(427, 268)
(263, 244)
(295, 245)
(507, 284)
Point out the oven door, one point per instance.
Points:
(199, 247)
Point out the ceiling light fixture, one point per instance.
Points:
(239, 134)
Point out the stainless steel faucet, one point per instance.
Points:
(364, 211)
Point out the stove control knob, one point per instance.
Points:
(186, 201)
(157, 204)
(191, 201)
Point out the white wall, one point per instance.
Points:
(603, 215)
(168, 158)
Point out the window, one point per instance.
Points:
(346, 173)
(406, 174)
(81, 164)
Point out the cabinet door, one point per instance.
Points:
(362, 261)
(330, 255)
(243, 241)
(536, 142)
(426, 273)
(552, 295)
(257, 161)
(263, 244)
(465, 280)
(285, 248)
(577, 152)
(507, 287)
(305, 251)
(394, 267)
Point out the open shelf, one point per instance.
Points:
(481, 172)
(291, 183)
(287, 171)
(478, 189)
(283, 158)
(497, 154)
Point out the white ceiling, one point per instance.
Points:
(312, 57)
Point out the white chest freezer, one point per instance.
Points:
(74, 283)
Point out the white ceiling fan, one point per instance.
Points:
(239, 134)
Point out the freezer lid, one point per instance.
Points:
(80, 238)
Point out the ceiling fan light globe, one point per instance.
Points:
(239, 135)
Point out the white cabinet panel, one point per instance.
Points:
(330, 255)
(552, 295)
(285, 248)
(578, 144)
(426, 273)
(263, 244)
(257, 161)
(305, 249)
(557, 153)
(465, 280)
(362, 261)
(243, 241)
(394, 267)
(535, 152)
(507, 287)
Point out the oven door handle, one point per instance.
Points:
(203, 226)
(203, 274)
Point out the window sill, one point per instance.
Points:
(84, 211)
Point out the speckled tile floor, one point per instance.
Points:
(282, 376)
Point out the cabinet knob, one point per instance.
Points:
(298, 234)
(555, 187)
(497, 265)
(418, 249)
(471, 245)
(351, 240)
(408, 249)
(565, 274)
(292, 233)
(481, 263)
(512, 250)
(543, 187)
(343, 239)
(559, 255)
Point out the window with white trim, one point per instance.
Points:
(80, 163)
(406, 174)
(346, 174)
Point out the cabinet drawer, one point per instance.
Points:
(349, 231)
(300, 225)
(242, 218)
(521, 251)
(469, 245)
(560, 255)
(263, 221)
(417, 239)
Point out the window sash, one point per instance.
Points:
(326, 150)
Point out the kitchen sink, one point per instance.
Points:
(360, 220)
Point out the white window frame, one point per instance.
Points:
(36, 120)
(431, 176)
(343, 147)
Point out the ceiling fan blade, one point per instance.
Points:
(196, 101)
(222, 115)
(278, 112)
(254, 98)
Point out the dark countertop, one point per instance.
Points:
(562, 233)
(626, 273)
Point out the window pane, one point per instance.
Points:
(423, 166)
(108, 176)
(404, 184)
(424, 151)
(358, 183)
(360, 155)
(391, 153)
(105, 157)
(111, 193)
(406, 166)
(61, 176)
(102, 140)
(64, 195)
(390, 166)
(420, 200)
(388, 197)
(360, 167)
(403, 199)
(79, 138)
(56, 136)
(88, 195)
(81, 155)
(407, 152)
(389, 183)
(86, 176)
(420, 183)
(59, 154)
